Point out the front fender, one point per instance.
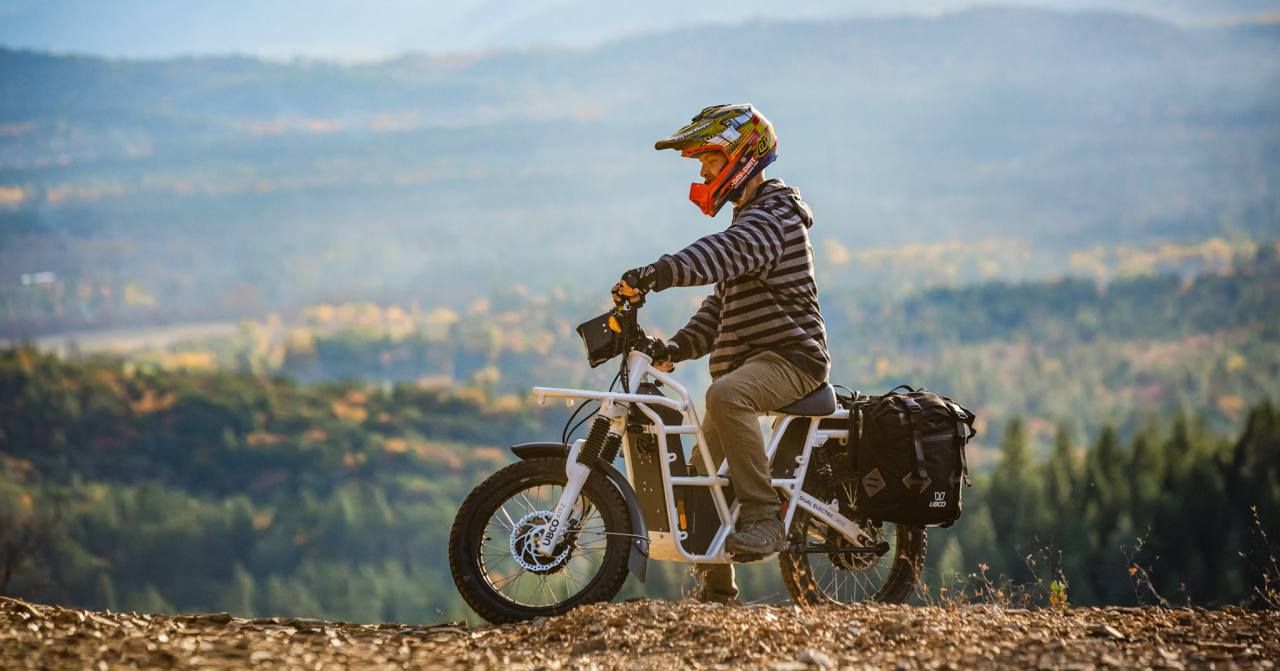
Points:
(638, 562)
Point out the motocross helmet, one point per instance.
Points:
(741, 134)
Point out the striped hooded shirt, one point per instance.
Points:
(765, 297)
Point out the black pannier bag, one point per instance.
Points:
(907, 454)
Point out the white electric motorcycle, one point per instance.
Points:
(563, 526)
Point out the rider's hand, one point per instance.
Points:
(662, 355)
(631, 288)
(637, 282)
(622, 293)
(642, 279)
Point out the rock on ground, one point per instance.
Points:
(656, 635)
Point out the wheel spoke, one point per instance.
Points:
(509, 579)
(529, 504)
(499, 550)
(542, 586)
(511, 524)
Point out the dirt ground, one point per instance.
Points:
(649, 634)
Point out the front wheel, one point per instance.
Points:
(814, 577)
(491, 545)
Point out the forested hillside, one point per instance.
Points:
(179, 491)
(158, 491)
(1069, 350)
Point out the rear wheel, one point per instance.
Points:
(821, 573)
(491, 545)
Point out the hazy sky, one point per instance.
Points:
(347, 29)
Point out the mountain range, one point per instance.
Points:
(1011, 139)
(337, 29)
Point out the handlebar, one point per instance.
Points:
(618, 330)
(633, 336)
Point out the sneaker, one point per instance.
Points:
(759, 537)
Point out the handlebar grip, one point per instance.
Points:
(627, 290)
(625, 293)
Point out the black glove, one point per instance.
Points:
(674, 352)
(642, 278)
(659, 350)
(653, 277)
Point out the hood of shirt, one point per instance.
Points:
(773, 190)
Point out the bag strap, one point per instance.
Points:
(963, 432)
(855, 436)
(902, 386)
(914, 410)
(958, 414)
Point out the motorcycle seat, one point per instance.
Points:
(819, 403)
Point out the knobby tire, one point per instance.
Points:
(467, 541)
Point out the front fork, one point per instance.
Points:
(601, 443)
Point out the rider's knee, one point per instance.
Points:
(723, 394)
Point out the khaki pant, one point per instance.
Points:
(735, 401)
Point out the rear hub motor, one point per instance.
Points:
(853, 561)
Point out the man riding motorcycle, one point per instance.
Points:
(761, 325)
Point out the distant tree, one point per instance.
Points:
(951, 564)
(1145, 473)
(1105, 515)
(982, 552)
(1253, 475)
(1016, 502)
(1064, 504)
(106, 592)
(240, 594)
(26, 525)
(1062, 475)
(148, 600)
(1106, 489)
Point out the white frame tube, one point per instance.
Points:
(615, 404)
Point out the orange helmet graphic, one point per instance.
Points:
(741, 134)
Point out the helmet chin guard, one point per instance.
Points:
(725, 187)
(741, 134)
(703, 196)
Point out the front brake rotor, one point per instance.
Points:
(524, 541)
